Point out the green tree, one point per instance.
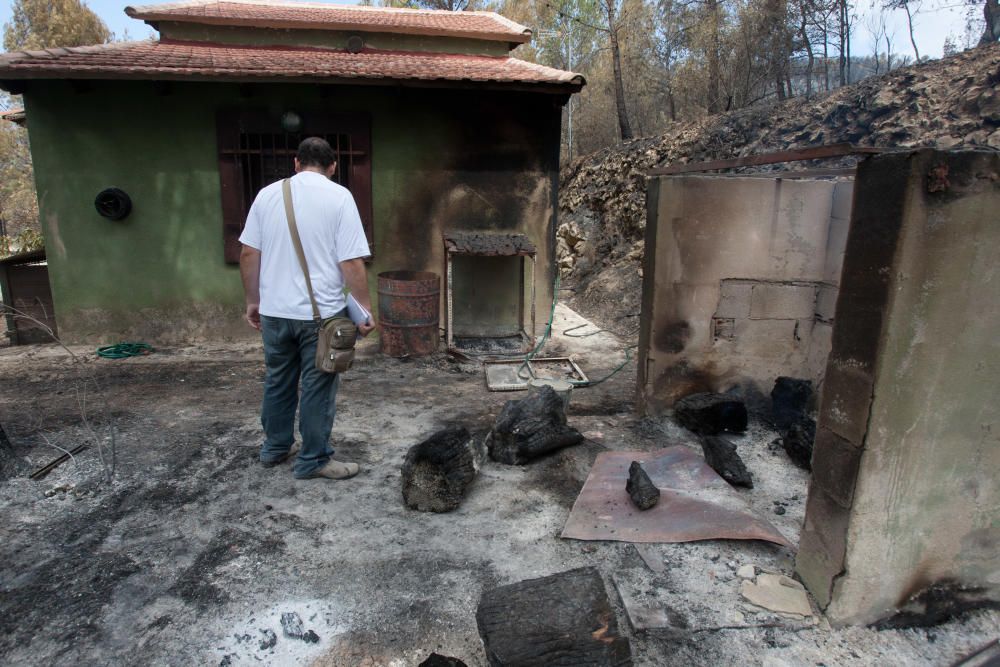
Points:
(40, 24)
(18, 205)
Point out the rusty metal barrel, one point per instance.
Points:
(409, 312)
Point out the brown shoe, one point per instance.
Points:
(336, 470)
(292, 453)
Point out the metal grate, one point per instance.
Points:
(264, 158)
(254, 152)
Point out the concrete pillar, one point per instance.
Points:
(904, 492)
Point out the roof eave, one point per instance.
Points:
(153, 19)
(568, 87)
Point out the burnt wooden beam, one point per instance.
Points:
(55, 463)
(793, 155)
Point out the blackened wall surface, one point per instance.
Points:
(464, 159)
(907, 454)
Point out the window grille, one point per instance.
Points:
(252, 155)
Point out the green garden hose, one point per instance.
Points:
(124, 350)
(548, 331)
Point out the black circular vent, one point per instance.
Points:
(355, 43)
(113, 204)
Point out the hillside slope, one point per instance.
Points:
(948, 103)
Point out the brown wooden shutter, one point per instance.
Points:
(231, 184)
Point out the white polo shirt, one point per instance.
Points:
(331, 232)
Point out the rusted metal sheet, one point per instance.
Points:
(794, 155)
(25, 279)
(409, 312)
(695, 503)
(489, 244)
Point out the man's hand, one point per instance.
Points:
(253, 315)
(356, 279)
(250, 273)
(367, 327)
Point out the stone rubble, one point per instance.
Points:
(951, 103)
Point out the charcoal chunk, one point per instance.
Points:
(640, 487)
(562, 619)
(530, 428)
(435, 660)
(789, 401)
(291, 624)
(269, 640)
(438, 471)
(798, 442)
(710, 414)
(721, 456)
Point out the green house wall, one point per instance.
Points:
(441, 159)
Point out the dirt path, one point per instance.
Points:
(193, 549)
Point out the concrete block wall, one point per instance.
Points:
(907, 453)
(740, 282)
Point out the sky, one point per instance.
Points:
(936, 20)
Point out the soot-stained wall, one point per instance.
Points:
(739, 283)
(441, 159)
(904, 507)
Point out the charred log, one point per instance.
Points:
(709, 414)
(640, 487)
(789, 401)
(563, 619)
(531, 427)
(798, 442)
(721, 456)
(438, 471)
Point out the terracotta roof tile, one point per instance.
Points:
(277, 14)
(200, 61)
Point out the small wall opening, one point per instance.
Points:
(486, 296)
(490, 292)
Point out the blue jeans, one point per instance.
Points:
(290, 356)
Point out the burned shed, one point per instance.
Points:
(437, 129)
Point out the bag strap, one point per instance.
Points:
(286, 191)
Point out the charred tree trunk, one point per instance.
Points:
(991, 13)
(909, 24)
(624, 127)
(826, 60)
(842, 59)
(531, 427)
(714, 86)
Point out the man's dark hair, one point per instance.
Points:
(315, 152)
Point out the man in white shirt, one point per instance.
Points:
(278, 305)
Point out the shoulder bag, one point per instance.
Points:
(336, 336)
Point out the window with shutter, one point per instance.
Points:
(254, 151)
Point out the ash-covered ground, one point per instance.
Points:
(193, 552)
